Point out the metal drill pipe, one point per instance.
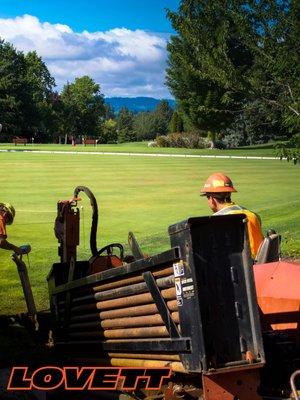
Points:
(123, 322)
(136, 311)
(124, 312)
(169, 294)
(144, 332)
(122, 282)
(167, 357)
(137, 321)
(136, 288)
(157, 331)
(126, 362)
(133, 279)
(175, 366)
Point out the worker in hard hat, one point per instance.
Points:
(7, 215)
(218, 188)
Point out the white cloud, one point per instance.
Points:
(122, 61)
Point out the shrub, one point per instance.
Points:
(162, 141)
(289, 150)
(233, 140)
(189, 140)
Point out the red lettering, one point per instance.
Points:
(78, 378)
(87, 378)
(48, 378)
(105, 379)
(18, 379)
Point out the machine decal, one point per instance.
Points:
(178, 269)
(178, 286)
(188, 291)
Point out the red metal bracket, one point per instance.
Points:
(240, 385)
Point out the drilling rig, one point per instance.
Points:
(226, 327)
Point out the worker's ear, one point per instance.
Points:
(214, 204)
(214, 201)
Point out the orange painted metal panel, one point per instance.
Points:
(278, 295)
(230, 386)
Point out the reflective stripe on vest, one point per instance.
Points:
(229, 209)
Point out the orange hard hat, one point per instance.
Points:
(218, 183)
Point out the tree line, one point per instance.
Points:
(233, 69)
(31, 108)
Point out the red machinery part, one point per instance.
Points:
(231, 386)
(278, 295)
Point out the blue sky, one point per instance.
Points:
(120, 44)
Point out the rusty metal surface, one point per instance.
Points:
(125, 362)
(175, 366)
(157, 331)
(136, 288)
(134, 279)
(147, 309)
(123, 322)
(137, 321)
(179, 391)
(167, 357)
(231, 386)
(143, 332)
(169, 294)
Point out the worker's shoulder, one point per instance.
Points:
(249, 213)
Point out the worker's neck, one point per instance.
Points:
(220, 206)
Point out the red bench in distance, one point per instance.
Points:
(19, 140)
(90, 141)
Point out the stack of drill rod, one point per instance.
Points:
(121, 311)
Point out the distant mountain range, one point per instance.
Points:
(135, 104)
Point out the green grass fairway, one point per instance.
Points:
(142, 194)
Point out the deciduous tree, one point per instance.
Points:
(83, 107)
(230, 58)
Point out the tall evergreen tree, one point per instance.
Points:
(125, 126)
(176, 123)
(109, 112)
(144, 126)
(162, 117)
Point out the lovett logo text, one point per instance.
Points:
(87, 378)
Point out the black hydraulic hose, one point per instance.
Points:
(93, 235)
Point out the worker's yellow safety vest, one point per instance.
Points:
(253, 225)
